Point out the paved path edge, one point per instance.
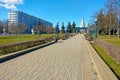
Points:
(107, 69)
(13, 55)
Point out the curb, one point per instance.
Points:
(92, 58)
(103, 70)
(13, 55)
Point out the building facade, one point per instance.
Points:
(17, 17)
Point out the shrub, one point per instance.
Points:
(5, 49)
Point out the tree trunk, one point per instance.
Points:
(109, 32)
(114, 31)
(118, 32)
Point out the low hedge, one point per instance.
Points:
(5, 49)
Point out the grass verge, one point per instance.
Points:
(112, 40)
(108, 60)
(22, 38)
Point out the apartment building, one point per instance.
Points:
(17, 17)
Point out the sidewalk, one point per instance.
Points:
(71, 59)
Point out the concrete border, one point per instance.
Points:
(102, 69)
(13, 55)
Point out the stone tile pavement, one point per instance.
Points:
(66, 60)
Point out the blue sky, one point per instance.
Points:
(54, 10)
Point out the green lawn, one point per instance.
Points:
(21, 38)
(110, 62)
(113, 39)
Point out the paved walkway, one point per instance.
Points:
(72, 59)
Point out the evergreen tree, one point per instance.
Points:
(63, 27)
(69, 27)
(101, 22)
(73, 27)
(57, 28)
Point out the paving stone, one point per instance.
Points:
(70, 59)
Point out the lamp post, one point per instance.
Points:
(4, 27)
(119, 19)
(96, 29)
(57, 32)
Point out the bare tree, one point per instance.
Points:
(13, 28)
(38, 29)
(112, 8)
(6, 26)
(109, 19)
(1, 27)
(94, 16)
(108, 6)
(22, 27)
(50, 29)
(110, 22)
(43, 29)
(118, 17)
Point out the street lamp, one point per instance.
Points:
(119, 19)
(57, 32)
(96, 29)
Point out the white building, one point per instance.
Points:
(82, 25)
(16, 17)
